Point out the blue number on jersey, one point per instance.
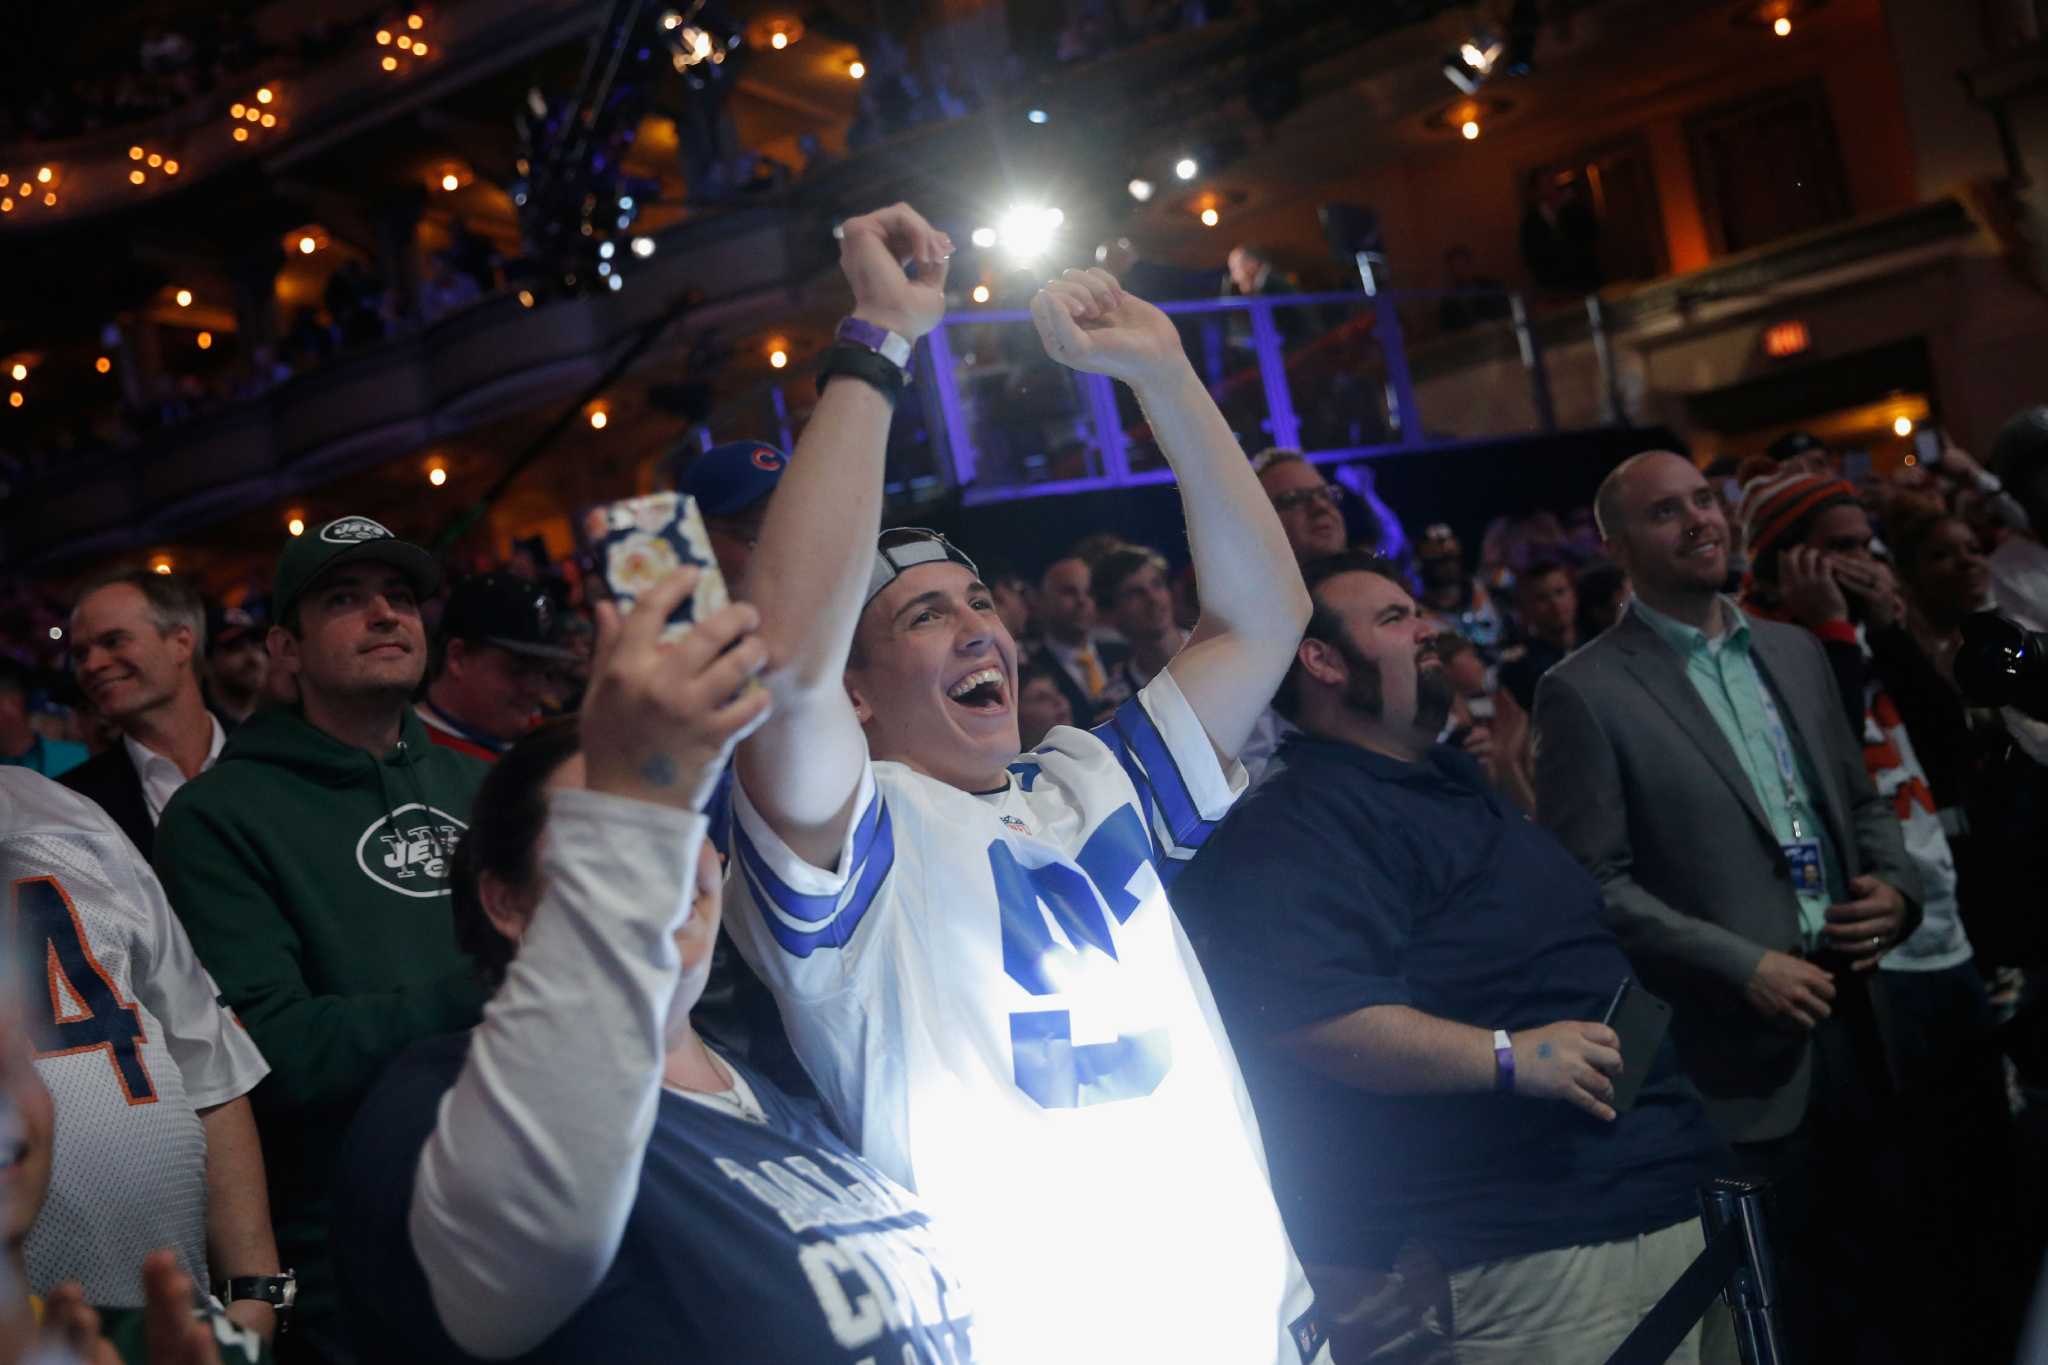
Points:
(51, 938)
(1049, 1066)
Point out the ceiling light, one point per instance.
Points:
(598, 419)
(270, 120)
(419, 49)
(20, 371)
(263, 95)
(405, 42)
(605, 251)
(1782, 26)
(981, 293)
(136, 177)
(1469, 128)
(170, 168)
(1026, 232)
(49, 201)
(389, 63)
(1187, 168)
(103, 364)
(43, 176)
(1210, 217)
(135, 153)
(856, 69)
(617, 283)
(204, 341)
(451, 182)
(184, 298)
(1038, 116)
(241, 134)
(307, 246)
(526, 298)
(778, 358)
(437, 476)
(1902, 426)
(1141, 190)
(778, 41)
(162, 566)
(56, 632)
(643, 247)
(297, 526)
(14, 399)
(414, 22)
(155, 160)
(383, 40)
(983, 237)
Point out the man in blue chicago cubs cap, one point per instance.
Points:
(730, 485)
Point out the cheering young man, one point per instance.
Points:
(973, 949)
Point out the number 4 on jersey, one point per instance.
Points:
(72, 1004)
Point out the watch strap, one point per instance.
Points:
(870, 367)
(279, 1291)
(1503, 1063)
(889, 345)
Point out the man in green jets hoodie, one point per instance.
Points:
(310, 868)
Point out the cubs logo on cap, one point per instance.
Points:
(765, 458)
(727, 480)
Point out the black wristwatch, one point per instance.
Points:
(870, 367)
(279, 1291)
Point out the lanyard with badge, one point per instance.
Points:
(1802, 851)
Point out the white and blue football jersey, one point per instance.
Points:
(994, 996)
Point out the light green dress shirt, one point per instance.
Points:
(1724, 673)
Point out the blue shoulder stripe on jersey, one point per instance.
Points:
(874, 853)
(1133, 728)
(1114, 743)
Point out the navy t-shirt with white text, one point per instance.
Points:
(748, 1242)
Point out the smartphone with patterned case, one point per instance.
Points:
(632, 544)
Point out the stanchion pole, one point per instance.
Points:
(1736, 1207)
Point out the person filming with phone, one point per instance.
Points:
(1419, 981)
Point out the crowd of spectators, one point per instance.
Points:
(394, 969)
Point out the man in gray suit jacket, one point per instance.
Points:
(1700, 766)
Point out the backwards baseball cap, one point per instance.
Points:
(727, 480)
(1793, 444)
(225, 625)
(347, 540)
(1778, 512)
(505, 610)
(906, 547)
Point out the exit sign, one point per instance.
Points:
(1786, 338)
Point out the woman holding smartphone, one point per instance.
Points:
(580, 1177)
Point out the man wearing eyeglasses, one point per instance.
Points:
(1311, 510)
(498, 652)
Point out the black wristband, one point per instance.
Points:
(857, 362)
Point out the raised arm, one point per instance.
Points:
(1254, 606)
(809, 574)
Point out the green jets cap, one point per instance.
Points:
(347, 540)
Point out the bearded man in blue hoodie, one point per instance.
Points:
(310, 869)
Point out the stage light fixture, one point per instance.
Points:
(307, 246)
(981, 293)
(1902, 426)
(1026, 231)
(643, 247)
(263, 95)
(56, 632)
(598, 420)
(778, 41)
(604, 252)
(983, 237)
(419, 49)
(778, 358)
(49, 201)
(856, 69)
(1141, 190)
(183, 298)
(437, 476)
(20, 371)
(43, 176)
(1187, 168)
(296, 526)
(451, 182)
(1469, 129)
(1782, 26)
(1210, 218)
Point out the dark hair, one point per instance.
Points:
(1323, 623)
(505, 825)
(14, 677)
(1542, 568)
(1598, 583)
(172, 601)
(1907, 530)
(1119, 564)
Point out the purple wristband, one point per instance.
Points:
(883, 342)
(1503, 1063)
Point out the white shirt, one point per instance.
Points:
(993, 994)
(160, 776)
(128, 1036)
(2019, 580)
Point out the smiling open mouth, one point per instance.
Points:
(981, 691)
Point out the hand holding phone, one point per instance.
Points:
(1639, 1020)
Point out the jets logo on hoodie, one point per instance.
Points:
(408, 851)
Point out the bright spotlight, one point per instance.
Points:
(1210, 217)
(856, 69)
(598, 419)
(605, 251)
(437, 476)
(617, 284)
(1141, 190)
(643, 247)
(1027, 232)
(56, 632)
(778, 41)
(20, 372)
(296, 526)
(1037, 116)
(307, 246)
(981, 293)
(1902, 426)
(1187, 168)
(1469, 129)
(184, 298)
(778, 358)
(1782, 26)
(451, 182)
(983, 237)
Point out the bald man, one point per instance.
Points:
(1700, 765)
